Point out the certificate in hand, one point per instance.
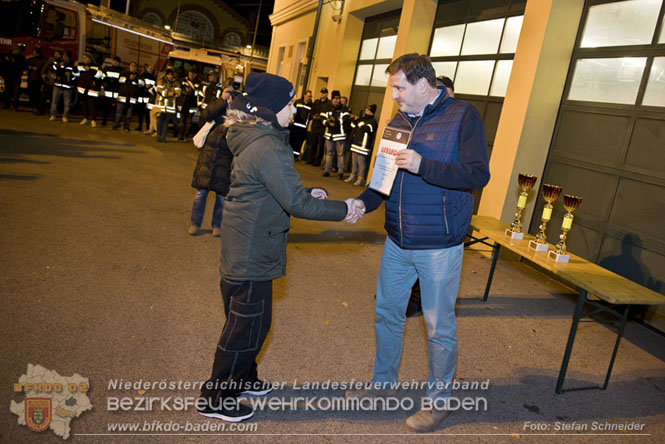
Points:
(385, 170)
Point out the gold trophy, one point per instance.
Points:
(550, 194)
(570, 203)
(526, 182)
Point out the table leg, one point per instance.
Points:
(571, 339)
(495, 256)
(622, 327)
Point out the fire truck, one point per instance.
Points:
(78, 28)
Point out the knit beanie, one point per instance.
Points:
(268, 91)
(372, 108)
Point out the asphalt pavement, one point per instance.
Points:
(99, 278)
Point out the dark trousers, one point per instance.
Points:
(248, 310)
(88, 107)
(46, 94)
(142, 111)
(163, 124)
(34, 91)
(107, 105)
(185, 123)
(297, 137)
(123, 112)
(317, 144)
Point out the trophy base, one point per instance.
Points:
(513, 235)
(533, 245)
(556, 257)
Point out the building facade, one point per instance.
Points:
(571, 91)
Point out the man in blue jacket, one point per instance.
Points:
(428, 213)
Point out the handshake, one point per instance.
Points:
(355, 208)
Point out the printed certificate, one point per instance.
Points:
(385, 170)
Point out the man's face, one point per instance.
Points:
(368, 112)
(57, 55)
(323, 95)
(286, 114)
(226, 92)
(191, 75)
(335, 101)
(308, 97)
(86, 60)
(343, 101)
(115, 63)
(132, 67)
(169, 76)
(409, 97)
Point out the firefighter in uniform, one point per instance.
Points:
(210, 91)
(335, 120)
(88, 86)
(362, 142)
(298, 129)
(62, 73)
(111, 87)
(316, 140)
(187, 104)
(145, 95)
(168, 92)
(128, 95)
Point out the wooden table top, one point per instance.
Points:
(595, 279)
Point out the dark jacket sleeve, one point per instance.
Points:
(472, 170)
(283, 183)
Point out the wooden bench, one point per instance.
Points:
(596, 284)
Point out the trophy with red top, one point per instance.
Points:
(570, 203)
(550, 194)
(526, 182)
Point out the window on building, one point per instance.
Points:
(60, 24)
(196, 26)
(153, 19)
(477, 53)
(376, 52)
(618, 53)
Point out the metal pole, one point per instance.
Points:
(126, 6)
(310, 51)
(177, 14)
(256, 29)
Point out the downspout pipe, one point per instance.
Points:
(310, 51)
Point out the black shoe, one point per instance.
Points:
(233, 411)
(326, 174)
(341, 176)
(258, 388)
(138, 129)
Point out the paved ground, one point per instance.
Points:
(98, 277)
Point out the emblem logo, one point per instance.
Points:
(38, 413)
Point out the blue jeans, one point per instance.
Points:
(55, 98)
(439, 274)
(199, 207)
(333, 148)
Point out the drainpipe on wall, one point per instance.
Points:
(310, 51)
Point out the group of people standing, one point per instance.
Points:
(334, 131)
(112, 89)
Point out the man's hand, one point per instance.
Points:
(355, 210)
(319, 193)
(408, 160)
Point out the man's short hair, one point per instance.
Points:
(415, 67)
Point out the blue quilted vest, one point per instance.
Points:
(420, 215)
